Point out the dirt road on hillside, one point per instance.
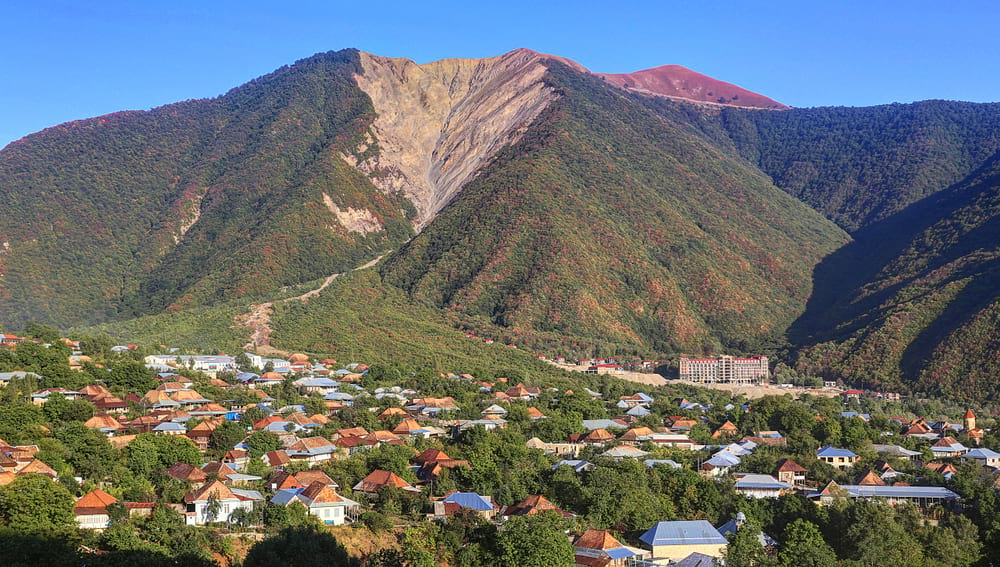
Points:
(258, 319)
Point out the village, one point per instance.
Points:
(631, 476)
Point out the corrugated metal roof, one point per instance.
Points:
(834, 452)
(690, 532)
(865, 491)
(470, 500)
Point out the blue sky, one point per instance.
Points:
(62, 61)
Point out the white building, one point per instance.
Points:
(725, 369)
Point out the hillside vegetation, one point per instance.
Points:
(192, 203)
(861, 165)
(607, 224)
(916, 297)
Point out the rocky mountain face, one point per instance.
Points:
(438, 124)
(528, 198)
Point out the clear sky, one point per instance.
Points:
(62, 60)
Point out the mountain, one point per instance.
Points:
(682, 83)
(858, 166)
(322, 165)
(915, 297)
(524, 198)
(195, 202)
(607, 224)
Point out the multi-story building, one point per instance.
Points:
(725, 369)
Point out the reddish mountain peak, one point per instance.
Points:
(681, 82)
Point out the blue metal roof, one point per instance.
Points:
(829, 451)
(723, 459)
(865, 491)
(470, 500)
(690, 532)
(982, 453)
(619, 552)
(669, 462)
(760, 481)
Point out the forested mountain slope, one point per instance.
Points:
(607, 224)
(860, 165)
(194, 202)
(916, 296)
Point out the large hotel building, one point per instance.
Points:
(725, 369)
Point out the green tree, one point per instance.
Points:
(537, 540)
(227, 435)
(57, 408)
(261, 442)
(35, 504)
(745, 548)
(133, 377)
(90, 453)
(299, 547)
(804, 546)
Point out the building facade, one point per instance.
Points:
(725, 369)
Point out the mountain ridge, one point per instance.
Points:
(525, 198)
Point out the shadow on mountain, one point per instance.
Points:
(840, 307)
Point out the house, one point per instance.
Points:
(840, 458)
(637, 399)
(598, 548)
(948, 447)
(897, 452)
(202, 432)
(672, 541)
(494, 410)
(636, 435)
(651, 463)
(535, 504)
(40, 397)
(790, 472)
(433, 406)
(760, 486)
(624, 452)
(187, 472)
(577, 465)
(6, 377)
(522, 392)
(407, 427)
(312, 450)
(169, 428)
(37, 467)
(433, 462)
(922, 496)
(595, 437)
(983, 456)
(718, 465)
(216, 502)
(379, 479)
(535, 414)
(725, 431)
(103, 423)
(482, 506)
(677, 440)
(91, 510)
(870, 478)
(321, 500)
(592, 424)
(947, 470)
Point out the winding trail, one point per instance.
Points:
(258, 319)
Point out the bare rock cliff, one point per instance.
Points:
(440, 122)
